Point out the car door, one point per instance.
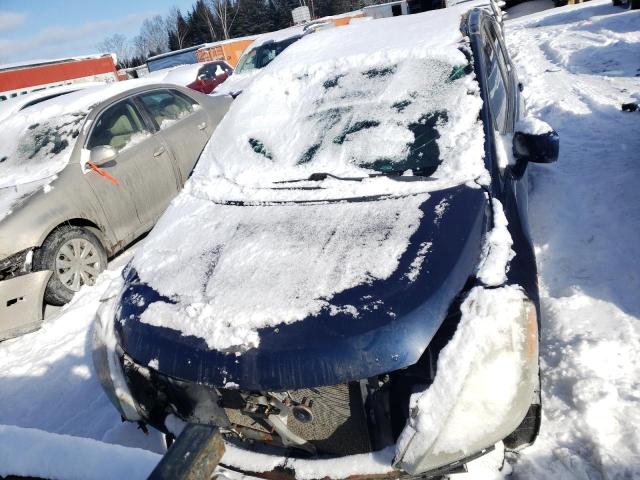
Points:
(183, 124)
(137, 185)
(512, 186)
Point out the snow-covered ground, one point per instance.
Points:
(578, 65)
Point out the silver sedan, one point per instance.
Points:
(84, 175)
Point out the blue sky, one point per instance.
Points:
(39, 29)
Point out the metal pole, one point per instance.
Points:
(193, 456)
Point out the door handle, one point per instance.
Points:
(158, 152)
(202, 126)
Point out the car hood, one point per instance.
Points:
(327, 293)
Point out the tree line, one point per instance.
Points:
(214, 20)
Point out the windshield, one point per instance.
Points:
(412, 116)
(262, 55)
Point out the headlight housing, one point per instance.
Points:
(107, 354)
(487, 375)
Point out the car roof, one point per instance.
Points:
(84, 99)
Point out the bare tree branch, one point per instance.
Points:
(119, 45)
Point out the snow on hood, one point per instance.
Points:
(36, 143)
(389, 103)
(348, 112)
(253, 267)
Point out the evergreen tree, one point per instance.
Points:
(252, 18)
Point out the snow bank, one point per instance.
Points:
(47, 379)
(578, 65)
(28, 452)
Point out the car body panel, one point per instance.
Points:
(21, 304)
(328, 349)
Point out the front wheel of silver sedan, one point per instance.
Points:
(75, 256)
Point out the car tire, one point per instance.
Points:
(76, 257)
(616, 3)
(633, 4)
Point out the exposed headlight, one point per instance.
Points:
(485, 382)
(16, 264)
(107, 353)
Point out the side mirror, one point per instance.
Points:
(536, 147)
(534, 141)
(102, 154)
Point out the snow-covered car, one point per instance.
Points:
(83, 175)
(262, 52)
(347, 286)
(202, 77)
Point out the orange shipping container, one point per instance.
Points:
(228, 50)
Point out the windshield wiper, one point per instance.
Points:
(320, 176)
(396, 175)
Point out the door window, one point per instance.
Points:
(119, 126)
(495, 71)
(166, 107)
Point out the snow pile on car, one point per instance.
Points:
(257, 267)
(477, 380)
(398, 99)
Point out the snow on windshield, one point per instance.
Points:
(352, 115)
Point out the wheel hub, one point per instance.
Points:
(78, 263)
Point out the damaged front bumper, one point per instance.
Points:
(143, 394)
(21, 295)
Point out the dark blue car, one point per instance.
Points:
(348, 276)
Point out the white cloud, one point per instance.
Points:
(58, 41)
(11, 20)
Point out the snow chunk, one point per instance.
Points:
(416, 265)
(375, 463)
(478, 375)
(496, 251)
(533, 126)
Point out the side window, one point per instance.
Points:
(166, 107)
(496, 81)
(119, 126)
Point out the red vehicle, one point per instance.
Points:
(203, 77)
(210, 76)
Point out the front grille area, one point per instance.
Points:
(339, 425)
